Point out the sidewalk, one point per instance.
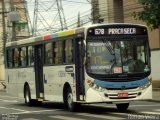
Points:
(156, 95)
(156, 90)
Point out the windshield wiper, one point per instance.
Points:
(112, 52)
(109, 47)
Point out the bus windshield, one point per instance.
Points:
(124, 56)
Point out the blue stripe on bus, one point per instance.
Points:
(130, 84)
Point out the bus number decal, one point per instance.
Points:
(99, 31)
(61, 74)
(117, 70)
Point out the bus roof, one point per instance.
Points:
(46, 37)
(64, 33)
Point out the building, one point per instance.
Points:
(3, 12)
(108, 11)
(119, 11)
(20, 27)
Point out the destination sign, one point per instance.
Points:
(122, 31)
(119, 30)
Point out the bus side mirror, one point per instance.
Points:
(83, 49)
(83, 52)
(149, 52)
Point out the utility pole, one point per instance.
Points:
(4, 38)
(34, 29)
(13, 23)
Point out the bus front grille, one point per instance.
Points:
(115, 95)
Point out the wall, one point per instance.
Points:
(103, 10)
(2, 72)
(155, 58)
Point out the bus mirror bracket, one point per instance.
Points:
(84, 51)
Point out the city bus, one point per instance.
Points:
(101, 63)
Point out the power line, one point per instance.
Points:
(75, 2)
(49, 19)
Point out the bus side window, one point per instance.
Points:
(53, 46)
(48, 53)
(16, 57)
(58, 52)
(68, 51)
(30, 56)
(9, 58)
(23, 57)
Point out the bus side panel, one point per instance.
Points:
(26, 75)
(54, 79)
(11, 80)
(16, 79)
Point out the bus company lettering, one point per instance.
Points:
(22, 74)
(122, 31)
(100, 67)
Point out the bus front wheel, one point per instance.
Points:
(122, 107)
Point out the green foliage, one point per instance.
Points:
(150, 14)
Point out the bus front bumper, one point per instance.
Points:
(112, 96)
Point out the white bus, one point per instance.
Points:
(106, 63)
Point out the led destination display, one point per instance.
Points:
(121, 30)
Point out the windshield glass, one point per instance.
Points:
(117, 57)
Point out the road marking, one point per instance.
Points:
(147, 112)
(26, 112)
(156, 109)
(29, 119)
(117, 113)
(8, 100)
(65, 117)
(102, 105)
(101, 116)
(143, 105)
(12, 109)
(11, 97)
(112, 106)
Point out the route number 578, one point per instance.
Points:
(99, 31)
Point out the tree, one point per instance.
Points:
(150, 13)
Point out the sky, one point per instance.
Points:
(47, 15)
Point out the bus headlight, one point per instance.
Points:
(145, 86)
(94, 86)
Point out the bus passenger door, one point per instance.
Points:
(79, 69)
(39, 71)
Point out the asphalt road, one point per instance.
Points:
(12, 108)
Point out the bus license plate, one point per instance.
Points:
(122, 95)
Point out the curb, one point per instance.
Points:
(153, 100)
(2, 90)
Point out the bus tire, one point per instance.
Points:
(70, 104)
(122, 107)
(27, 96)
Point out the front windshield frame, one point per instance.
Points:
(131, 39)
